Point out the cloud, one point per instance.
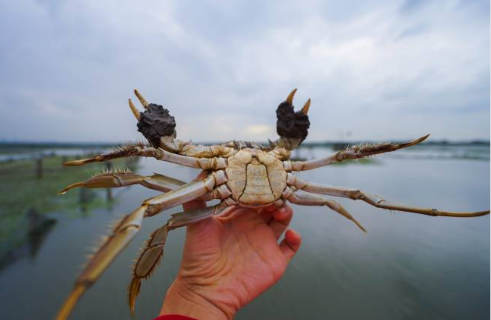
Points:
(409, 6)
(378, 69)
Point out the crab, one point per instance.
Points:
(235, 173)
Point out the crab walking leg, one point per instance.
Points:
(157, 182)
(127, 151)
(352, 153)
(307, 199)
(211, 187)
(123, 179)
(376, 201)
(153, 251)
(187, 192)
(128, 227)
(121, 235)
(138, 150)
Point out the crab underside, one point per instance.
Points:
(235, 173)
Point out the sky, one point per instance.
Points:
(375, 70)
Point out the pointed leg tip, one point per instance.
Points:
(419, 140)
(357, 223)
(73, 163)
(83, 161)
(133, 291)
(413, 142)
(70, 302)
(360, 226)
(423, 138)
(74, 185)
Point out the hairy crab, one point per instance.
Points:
(235, 173)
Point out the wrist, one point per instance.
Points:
(182, 300)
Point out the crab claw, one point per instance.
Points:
(155, 123)
(291, 126)
(107, 180)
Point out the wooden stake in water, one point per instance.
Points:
(39, 168)
(109, 194)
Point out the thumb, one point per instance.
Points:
(291, 244)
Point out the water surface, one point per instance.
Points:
(408, 266)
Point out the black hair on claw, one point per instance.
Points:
(156, 122)
(291, 124)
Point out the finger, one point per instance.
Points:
(266, 213)
(281, 218)
(291, 244)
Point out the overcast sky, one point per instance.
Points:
(375, 70)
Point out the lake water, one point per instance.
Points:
(408, 266)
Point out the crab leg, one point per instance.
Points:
(123, 179)
(352, 153)
(307, 199)
(291, 126)
(157, 182)
(122, 234)
(376, 201)
(126, 229)
(154, 248)
(159, 154)
(187, 192)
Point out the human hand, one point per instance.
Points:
(229, 260)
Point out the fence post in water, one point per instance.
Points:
(63, 160)
(109, 194)
(84, 198)
(39, 168)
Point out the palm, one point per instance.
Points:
(235, 258)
